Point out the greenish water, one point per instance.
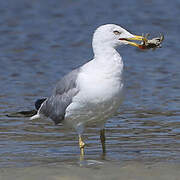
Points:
(110, 171)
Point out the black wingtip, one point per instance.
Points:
(39, 102)
(22, 113)
(30, 112)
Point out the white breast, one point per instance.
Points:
(100, 92)
(98, 86)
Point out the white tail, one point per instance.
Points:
(35, 117)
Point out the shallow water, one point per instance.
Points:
(110, 171)
(40, 41)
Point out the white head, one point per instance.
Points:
(111, 35)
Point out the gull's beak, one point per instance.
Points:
(134, 38)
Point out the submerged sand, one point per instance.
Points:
(100, 171)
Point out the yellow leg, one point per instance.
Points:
(81, 146)
(103, 139)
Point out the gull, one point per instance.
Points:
(93, 92)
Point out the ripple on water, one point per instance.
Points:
(38, 46)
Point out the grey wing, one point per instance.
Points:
(55, 106)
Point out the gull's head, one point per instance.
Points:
(111, 35)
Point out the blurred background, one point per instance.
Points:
(40, 41)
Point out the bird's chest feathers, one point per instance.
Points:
(99, 86)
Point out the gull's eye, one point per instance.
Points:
(116, 32)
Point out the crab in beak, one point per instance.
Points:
(135, 38)
(146, 43)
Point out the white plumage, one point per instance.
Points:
(93, 92)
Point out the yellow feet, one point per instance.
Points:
(81, 146)
(103, 139)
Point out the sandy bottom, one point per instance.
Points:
(94, 170)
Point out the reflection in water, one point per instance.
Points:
(138, 136)
(38, 46)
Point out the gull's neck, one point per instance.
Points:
(105, 53)
(108, 60)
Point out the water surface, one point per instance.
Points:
(40, 41)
